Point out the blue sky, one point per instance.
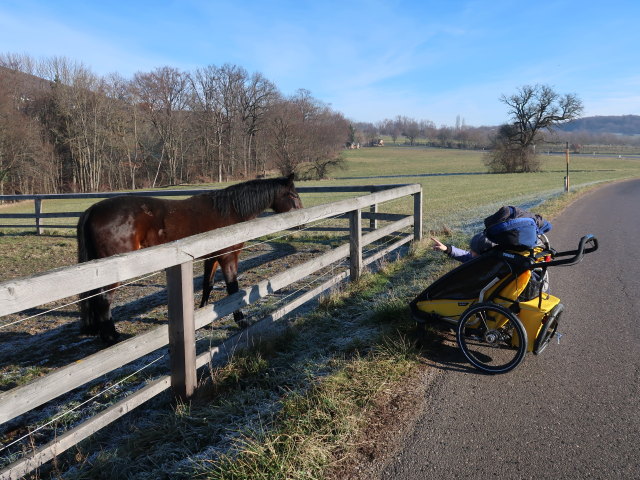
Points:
(371, 60)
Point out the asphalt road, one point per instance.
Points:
(572, 412)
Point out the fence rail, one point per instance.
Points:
(177, 259)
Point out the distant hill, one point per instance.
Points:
(620, 125)
(21, 85)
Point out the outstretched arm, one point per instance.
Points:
(438, 245)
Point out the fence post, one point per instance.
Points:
(38, 209)
(373, 221)
(355, 244)
(417, 216)
(182, 335)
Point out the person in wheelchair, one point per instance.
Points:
(495, 299)
(477, 246)
(480, 244)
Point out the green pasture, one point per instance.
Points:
(463, 197)
(463, 194)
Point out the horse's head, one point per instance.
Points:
(287, 197)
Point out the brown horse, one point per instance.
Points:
(127, 223)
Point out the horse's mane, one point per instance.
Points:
(248, 198)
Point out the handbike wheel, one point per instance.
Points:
(548, 330)
(491, 337)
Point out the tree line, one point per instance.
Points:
(65, 129)
(412, 132)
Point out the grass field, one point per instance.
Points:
(316, 402)
(451, 199)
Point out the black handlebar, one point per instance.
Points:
(576, 255)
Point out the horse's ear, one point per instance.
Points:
(290, 178)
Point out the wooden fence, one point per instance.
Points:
(177, 259)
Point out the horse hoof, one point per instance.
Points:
(88, 329)
(109, 335)
(241, 321)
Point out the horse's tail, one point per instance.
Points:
(86, 252)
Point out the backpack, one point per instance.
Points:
(515, 227)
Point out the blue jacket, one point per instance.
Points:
(459, 254)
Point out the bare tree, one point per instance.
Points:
(325, 134)
(533, 109)
(391, 128)
(255, 99)
(80, 113)
(130, 136)
(24, 156)
(229, 108)
(410, 128)
(445, 135)
(285, 131)
(303, 131)
(207, 107)
(231, 83)
(26, 163)
(165, 94)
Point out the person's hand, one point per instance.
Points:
(438, 245)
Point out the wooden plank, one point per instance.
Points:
(182, 334)
(60, 215)
(355, 245)
(373, 218)
(249, 295)
(38, 209)
(99, 195)
(22, 226)
(389, 217)
(350, 188)
(17, 295)
(417, 215)
(378, 255)
(37, 392)
(17, 215)
(67, 440)
(386, 230)
(188, 192)
(247, 337)
(368, 215)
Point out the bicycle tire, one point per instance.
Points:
(491, 337)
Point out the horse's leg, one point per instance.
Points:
(108, 332)
(229, 266)
(88, 323)
(210, 265)
(96, 314)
